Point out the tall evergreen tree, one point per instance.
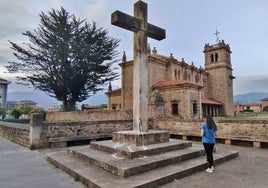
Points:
(66, 57)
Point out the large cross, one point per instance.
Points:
(142, 29)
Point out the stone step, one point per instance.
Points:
(125, 167)
(132, 151)
(93, 176)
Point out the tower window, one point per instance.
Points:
(216, 57)
(195, 107)
(185, 75)
(114, 106)
(174, 107)
(212, 58)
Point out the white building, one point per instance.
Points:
(3, 92)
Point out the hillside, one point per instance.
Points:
(253, 97)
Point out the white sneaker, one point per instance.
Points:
(212, 168)
(209, 170)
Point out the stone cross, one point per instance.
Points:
(142, 29)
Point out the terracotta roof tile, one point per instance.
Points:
(210, 101)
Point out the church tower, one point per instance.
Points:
(220, 78)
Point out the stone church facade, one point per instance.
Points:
(179, 89)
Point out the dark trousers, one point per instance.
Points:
(209, 150)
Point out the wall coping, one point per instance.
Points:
(74, 123)
(15, 125)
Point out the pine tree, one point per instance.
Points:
(66, 57)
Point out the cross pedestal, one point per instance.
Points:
(141, 139)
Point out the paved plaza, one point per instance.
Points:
(249, 170)
(23, 168)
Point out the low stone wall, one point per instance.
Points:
(62, 132)
(96, 115)
(59, 133)
(44, 134)
(17, 133)
(255, 130)
(229, 130)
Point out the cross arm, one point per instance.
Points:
(133, 24)
(155, 32)
(125, 21)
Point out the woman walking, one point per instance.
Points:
(208, 133)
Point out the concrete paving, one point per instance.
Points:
(249, 170)
(23, 168)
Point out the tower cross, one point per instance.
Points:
(217, 35)
(142, 29)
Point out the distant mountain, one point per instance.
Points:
(254, 97)
(45, 101)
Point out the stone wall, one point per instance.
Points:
(254, 130)
(229, 130)
(45, 134)
(17, 133)
(96, 115)
(62, 132)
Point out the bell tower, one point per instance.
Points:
(220, 78)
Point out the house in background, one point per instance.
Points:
(3, 92)
(239, 108)
(255, 107)
(264, 102)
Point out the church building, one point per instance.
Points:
(179, 89)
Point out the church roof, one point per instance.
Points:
(160, 57)
(168, 83)
(210, 101)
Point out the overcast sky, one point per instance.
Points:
(189, 25)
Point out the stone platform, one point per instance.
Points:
(113, 164)
(141, 138)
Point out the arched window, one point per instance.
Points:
(114, 106)
(174, 107)
(216, 57)
(212, 58)
(194, 107)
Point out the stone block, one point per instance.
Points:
(141, 138)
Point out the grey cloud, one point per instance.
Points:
(251, 84)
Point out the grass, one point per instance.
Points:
(247, 116)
